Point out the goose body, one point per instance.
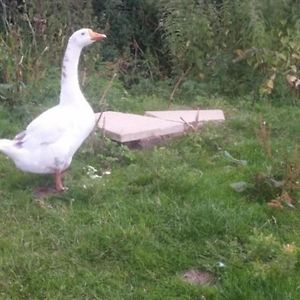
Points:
(49, 142)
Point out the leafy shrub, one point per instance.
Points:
(238, 46)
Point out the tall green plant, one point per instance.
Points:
(134, 40)
(33, 35)
(188, 32)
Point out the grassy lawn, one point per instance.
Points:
(150, 215)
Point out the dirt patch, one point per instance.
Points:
(200, 277)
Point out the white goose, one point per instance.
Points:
(50, 141)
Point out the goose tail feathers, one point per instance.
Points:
(7, 147)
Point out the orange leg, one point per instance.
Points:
(58, 181)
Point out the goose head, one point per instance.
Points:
(85, 36)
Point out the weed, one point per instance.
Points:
(279, 183)
(263, 135)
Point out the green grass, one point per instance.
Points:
(161, 211)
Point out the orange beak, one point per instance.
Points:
(95, 36)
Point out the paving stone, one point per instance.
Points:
(124, 127)
(188, 116)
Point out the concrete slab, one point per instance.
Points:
(123, 127)
(189, 116)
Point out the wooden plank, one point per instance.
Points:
(125, 127)
(188, 116)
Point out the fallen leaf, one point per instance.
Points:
(284, 198)
(289, 248)
(234, 160)
(275, 204)
(239, 186)
(277, 183)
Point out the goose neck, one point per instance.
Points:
(69, 74)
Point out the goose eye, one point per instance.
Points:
(82, 33)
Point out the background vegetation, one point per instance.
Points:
(222, 200)
(212, 46)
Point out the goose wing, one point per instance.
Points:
(47, 128)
